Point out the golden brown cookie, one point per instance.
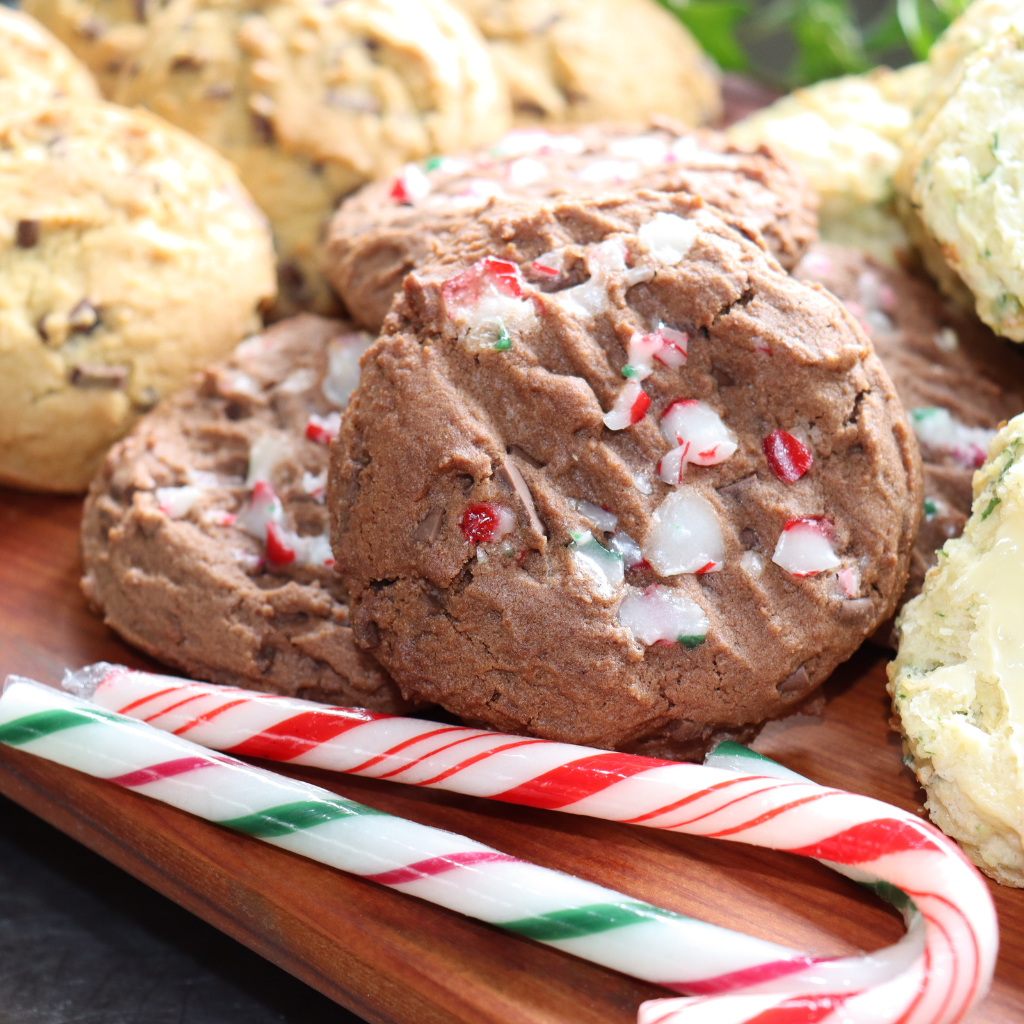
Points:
(131, 257)
(310, 100)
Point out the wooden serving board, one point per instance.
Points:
(392, 958)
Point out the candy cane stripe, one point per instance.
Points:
(294, 817)
(438, 865)
(45, 723)
(576, 780)
(297, 735)
(577, 922)
(773, 813)
(146, 699)
(167, 770)
(207, 716)
(804, 1010)
(463, 765)
(173, 707)
(751, 976)
(869, 841)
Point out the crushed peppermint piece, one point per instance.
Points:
(761, 347)
(598, 517)
(700, 437)
(805, 546)
(551, 264)
(315, 485)
(663, 614)
(629, 407)
(603, 567)
(525, 171)
(591, 297)
(264, 507)
(219, 517)
(609, 170)
(298, 381)
(279, 551)
(248, 561)
(486, 521)
(648, 149)
(940, 434)
(752, 563)
(946, 339)
(410, 185)
(239, 383)
(621, 543)
(685, 535)
(177, 502)
(323, 429)
(788, 457)
(266, 453)
(342, 377)
(488, 298)
(666, 344)
(641, 483)
(668, 237)
(524, 141)
(504, 342)
(849, 581)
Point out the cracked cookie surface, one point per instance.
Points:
(612, 477)
(390, 227)
(204, 537)
(131, 257)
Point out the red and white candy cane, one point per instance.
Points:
(735, 795)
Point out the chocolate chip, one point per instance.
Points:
(429, 528)
(722, 377)
(186, 63)
(291, 279)
(99, 375)
(857, 608)
(27, 233)
(797, 680)
(263, 128)
(139, 7)
(519, 453)
(84, 317)
(465, 482)
(749, 539)
(508, 473)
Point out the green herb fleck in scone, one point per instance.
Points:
(958, 681)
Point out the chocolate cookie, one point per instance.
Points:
(204, 538)
(611, 476)
(955, 378)
(390, 227)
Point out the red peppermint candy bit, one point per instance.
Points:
(399, 192)
(542, 268)
(469, 287)
(823, 524)
(788, 457)
(278, 551)
(639, 408)
(480, 523)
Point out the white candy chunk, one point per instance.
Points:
(248, 561)
(685, 536)
(323, 429)
(410, 185)
(525, 171)
(603, 567)
(595, 515)
(238, 383)
(488, 300)
(177, 502)
(267, 452)
(700, 437)
(648, 149)
(667, 345)
(591, 297)
(315, 485)
(311, 550)
(477, 191)
(203, 478)
(264, 507)
(940, 433)
(298, 381)
(673, 351)
(550, 263)
(668, 237)
(343, 355)
(609, 170)
(629, 407)
(946, 339)
(663, 614)
(641, 483)
(519, 143)
(849, 581)
(624, 545)
(752, 563)
(805, 547)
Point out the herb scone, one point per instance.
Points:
(957, 683)
(611, 476)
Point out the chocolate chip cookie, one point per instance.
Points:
(611, 476)
(389, 227)
(204, 539)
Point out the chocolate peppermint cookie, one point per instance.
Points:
(955, 378)
(392, 226)
(204, 539)
(611, 476)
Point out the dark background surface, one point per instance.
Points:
(83, 942)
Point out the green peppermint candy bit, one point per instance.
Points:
(931, 510)
(432, 163)
(991, 508)
(691, 641)
(629, 372)
(504, 342)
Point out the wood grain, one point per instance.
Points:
(392, 958)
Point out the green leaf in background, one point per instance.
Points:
(828, 42)
(713, 23)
